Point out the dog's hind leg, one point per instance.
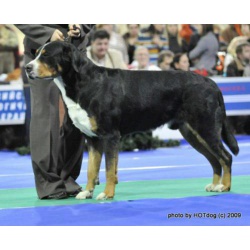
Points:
(210, 145)
(226, 162)
(111, 149)
(95, 148)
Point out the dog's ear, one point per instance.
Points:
(74, 56)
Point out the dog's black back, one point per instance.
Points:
(140, 100)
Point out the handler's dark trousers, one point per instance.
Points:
(56, 154)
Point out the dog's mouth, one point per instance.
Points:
(33, 76)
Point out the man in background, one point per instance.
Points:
(100, 53)
(240, 65)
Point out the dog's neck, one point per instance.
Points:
(70, 80)
(76, 80)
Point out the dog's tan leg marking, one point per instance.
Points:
(94, 162)
(226, 178)
(216, 185)
(93, 123)
(111, 179)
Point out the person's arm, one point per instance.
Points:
(86, 28)
(39, 33)
(198, 50)
(80, 35)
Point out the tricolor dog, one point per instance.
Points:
(106, 104)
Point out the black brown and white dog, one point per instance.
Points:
(108, 103)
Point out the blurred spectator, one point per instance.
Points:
(175, 42)
(240, 65)
(165, 59)
(142, 59)
(130, 39)
(186, 32)
(195, 37)
(116, 41)
(180, 62)
(231, 51)
(245, 29)
(8, 43)
(100, 53)
(205, 52)
(230, 32)
(154, 38)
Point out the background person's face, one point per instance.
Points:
(172, 29)
(165, 65)
(100, 47)
(183, 63)
(108, 27)
(133, 29)
(198, 28)
(159, 27)
(245, 29)
(142, 57)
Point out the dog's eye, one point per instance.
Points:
(45, 54)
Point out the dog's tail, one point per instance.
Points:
(227, 133)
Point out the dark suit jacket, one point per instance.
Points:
(37, 35)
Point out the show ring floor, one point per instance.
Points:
(156, 187)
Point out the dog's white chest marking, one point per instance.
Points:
(78, 115)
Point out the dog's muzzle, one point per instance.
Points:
(30, 71)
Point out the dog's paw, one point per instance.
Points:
(84, 195)
(104, 196)
(215, 188)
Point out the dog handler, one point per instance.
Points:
(56, 155)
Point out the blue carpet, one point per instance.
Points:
(222, 210)
(165, 163)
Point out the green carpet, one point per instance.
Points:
(27, 197)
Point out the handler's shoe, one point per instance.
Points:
(75, 193)
(57, 196)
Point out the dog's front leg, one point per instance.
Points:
(95, 148)
(111, 149)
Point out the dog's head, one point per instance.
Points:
(53, 59)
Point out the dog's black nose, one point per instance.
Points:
(28, 68)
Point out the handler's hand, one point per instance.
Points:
(57, 36)
(76, 32)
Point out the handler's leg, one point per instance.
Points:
(44, 132)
